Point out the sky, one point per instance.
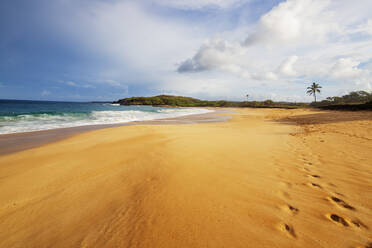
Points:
(103, 50)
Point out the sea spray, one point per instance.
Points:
(26, 116)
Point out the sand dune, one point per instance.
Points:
(265, 178)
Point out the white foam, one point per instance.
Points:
(28, 123)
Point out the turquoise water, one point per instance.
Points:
(25, 116)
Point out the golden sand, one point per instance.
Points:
(265, 178)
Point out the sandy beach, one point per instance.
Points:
(263, 178)
(10, 143)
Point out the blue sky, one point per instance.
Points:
(80, 50)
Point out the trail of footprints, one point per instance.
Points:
(340, 203)
(291, 210)
(342, 221)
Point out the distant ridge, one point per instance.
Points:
(182, 101)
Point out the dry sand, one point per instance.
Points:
(265, 178)
(16, 142)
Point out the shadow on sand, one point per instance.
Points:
(317, 116)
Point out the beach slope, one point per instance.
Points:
(264, 178)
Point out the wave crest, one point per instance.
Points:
(44, 121)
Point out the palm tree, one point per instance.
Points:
(247, 97)
(313, 89)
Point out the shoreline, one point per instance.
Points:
(264, 178)
(16, 142)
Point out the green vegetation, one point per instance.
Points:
(163, 100)
(354, 97)
(181, 101)
(313, 89)
(355, 100)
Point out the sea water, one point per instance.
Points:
(24, 116)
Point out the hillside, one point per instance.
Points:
(182, 101)
(163, 100)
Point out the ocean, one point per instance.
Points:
(24, 116)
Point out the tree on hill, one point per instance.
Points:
(313, 89)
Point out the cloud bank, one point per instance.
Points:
(109, 49)
(297, 41)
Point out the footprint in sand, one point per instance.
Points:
(342, 221)
(315, 185)
(306, 161)
(290, 209)
(340, 203)
(338, 220)
(359, 224)
(288, 230)
(332, 185)
(314, 176)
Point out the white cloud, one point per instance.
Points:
(214, 54)
(78, 85)
(346, 70)
(207, 86)
(163, 53)
(363, 28)
(291, 21)
(291, 24)
(218, 85)
(266, 76)
(320, 32)
(198, 4)
(286, 68)
(111, 82)
(133, 36)
(45, 93)
(88, 86)
(70, 83)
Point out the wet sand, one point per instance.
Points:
(264, 178)
(10, 143)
